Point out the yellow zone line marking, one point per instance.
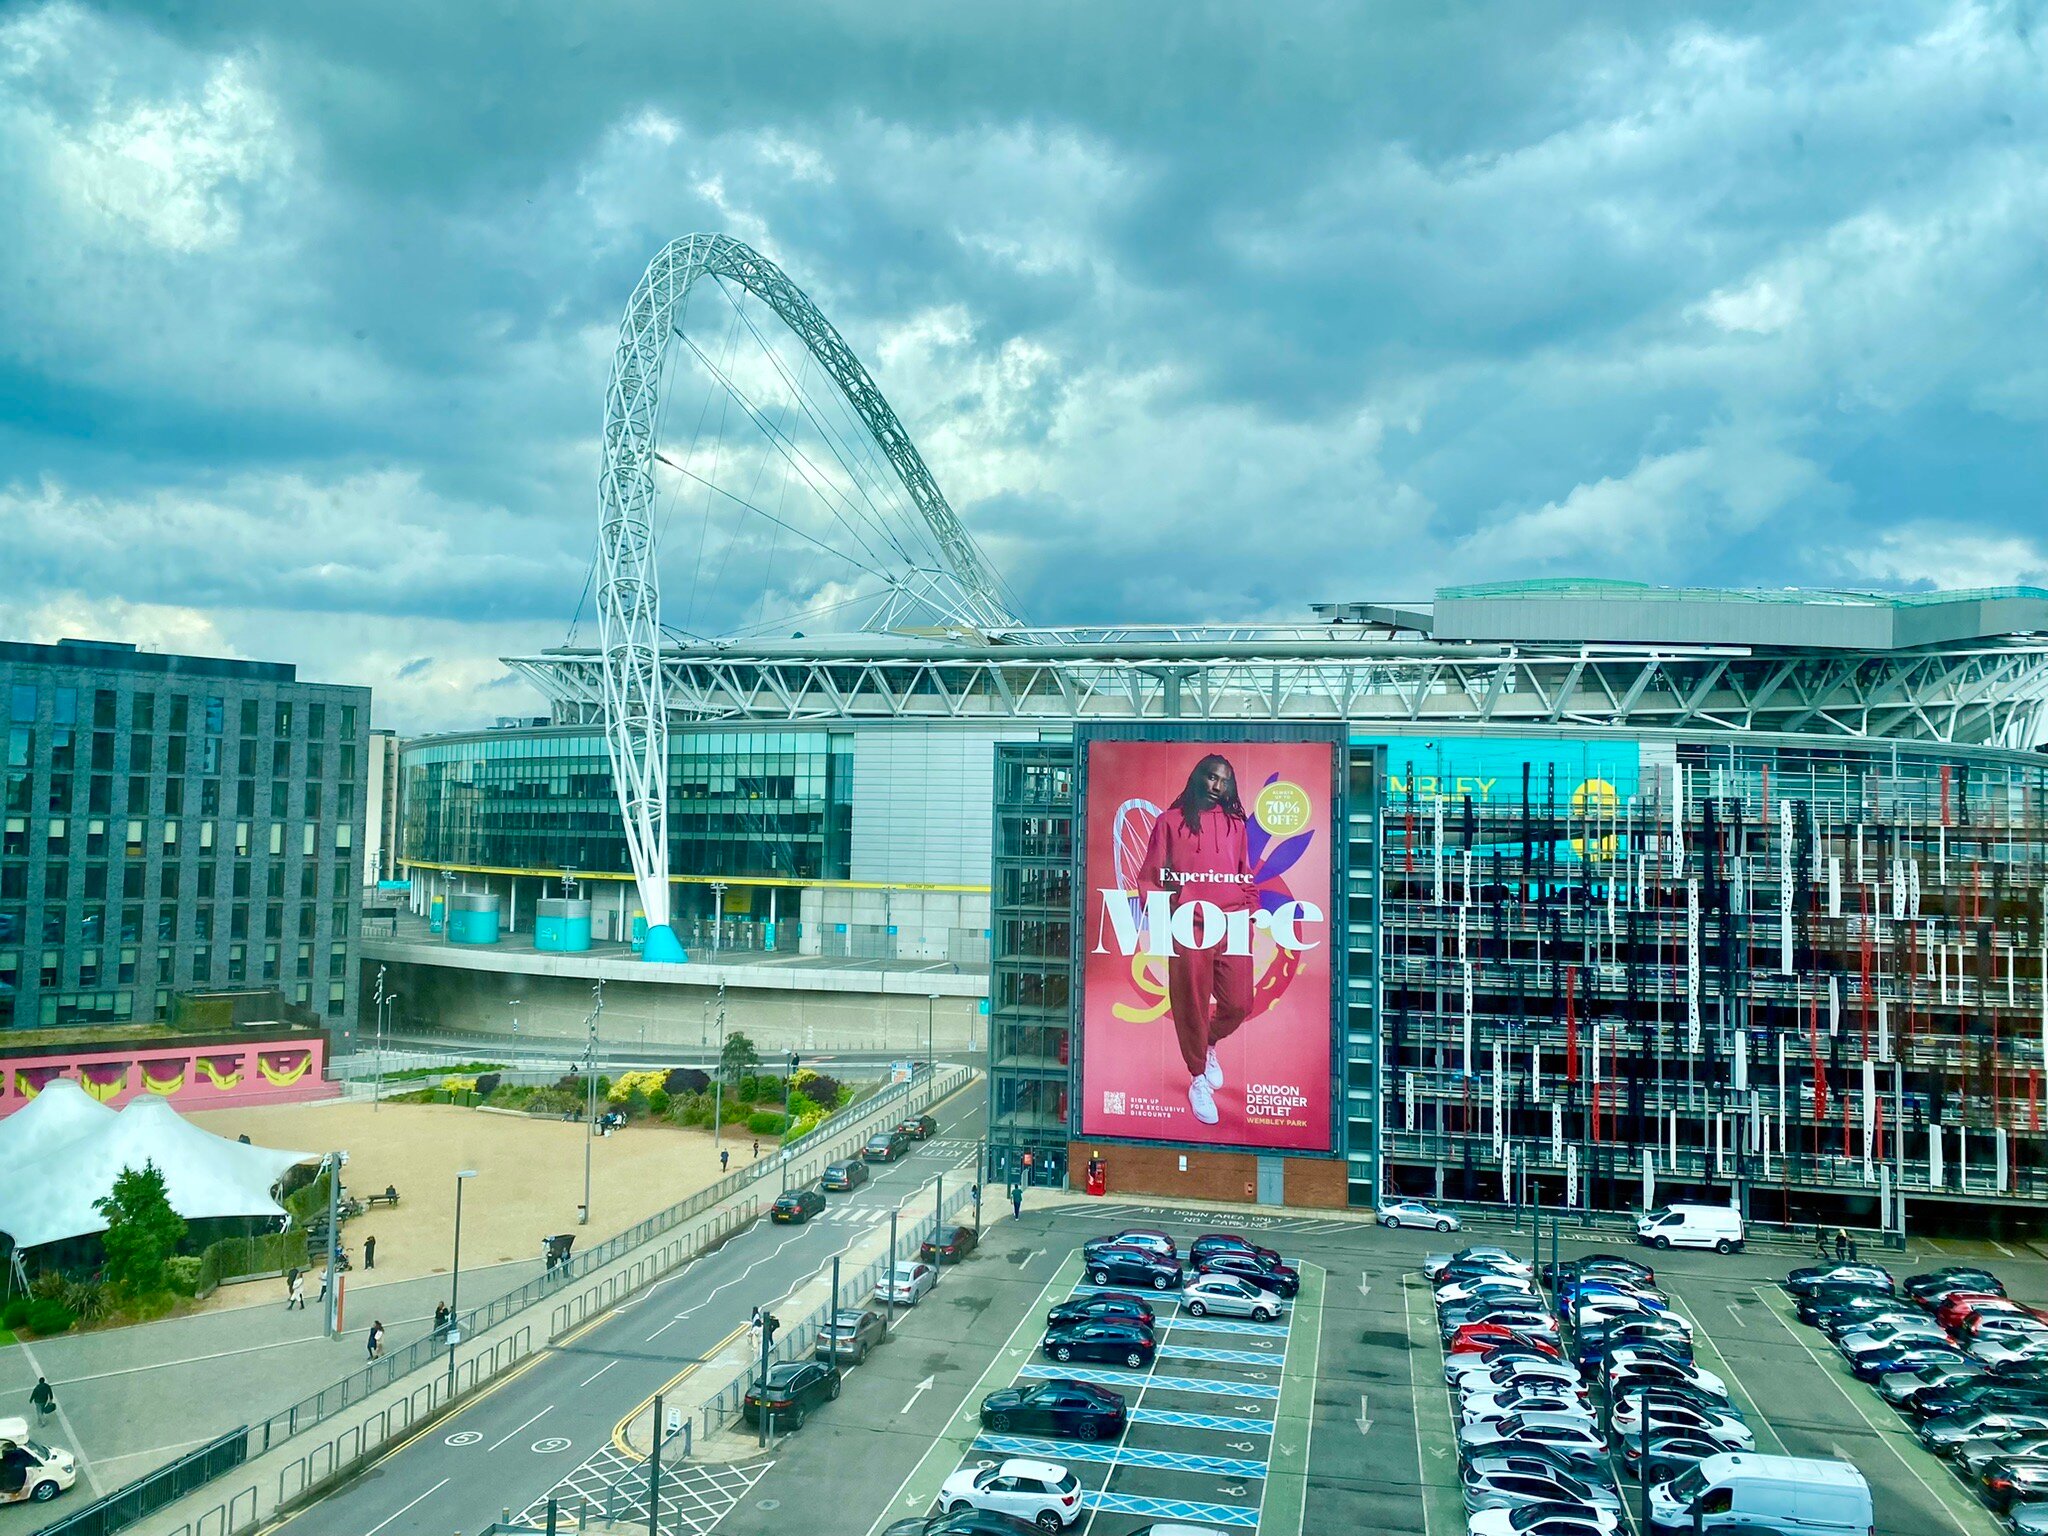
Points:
(619, 1440)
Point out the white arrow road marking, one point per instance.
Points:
(1364, 1288)
(1737, 1315)
(922, 1387)
(1364, 1415)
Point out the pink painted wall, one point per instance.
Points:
(219, 1075)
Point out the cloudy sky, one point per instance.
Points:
(306, 309)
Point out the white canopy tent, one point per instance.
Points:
(49, 1196)
(61, 1114)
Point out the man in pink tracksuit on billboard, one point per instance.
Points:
(1197, 853)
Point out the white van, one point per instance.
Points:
(29, 1469)
(1691, 1226)
(1786, 1493)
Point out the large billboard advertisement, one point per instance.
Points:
(1207, 983)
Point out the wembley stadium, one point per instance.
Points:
(1578, 892)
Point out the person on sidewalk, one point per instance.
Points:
(1016, 1200)
(369, 1253)
(375, 1344)
(296, 1296)
(44, 1396)
(754, 1334)
(440, 1319)
(724, 1158)
(757, 1149)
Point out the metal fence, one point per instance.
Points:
(794, 1341)
(126, 1505)
(440, 1387)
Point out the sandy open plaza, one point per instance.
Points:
(528, 1184)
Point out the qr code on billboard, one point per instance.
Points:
(1113, 1103)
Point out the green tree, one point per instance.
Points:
(738, 1055)
(142, 1231)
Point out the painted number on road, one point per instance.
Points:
(464, 1437)
(550, 1445)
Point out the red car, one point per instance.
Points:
(1475, 1337)
(1960, 1304)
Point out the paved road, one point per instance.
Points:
(557, 1414)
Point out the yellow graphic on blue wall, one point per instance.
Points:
(1589, 782)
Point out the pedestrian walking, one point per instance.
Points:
(440, 1318)
(296, 1296)
(1016, 1200)
(1841, 1244)
(754, 1333)
(375, 1344)
(324, 1272)
(757, 1148)
(369, 1253)
(724, 1158)
(44, 1397)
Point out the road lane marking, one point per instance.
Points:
(511, 1432)
(373, 1530)
(586, 1381)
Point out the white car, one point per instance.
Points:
(1042, 1492)
(1466, 1371)
(1566, 1433)
(1494, 1258)
(1415, 1213)
(1858, 1341)
(1483, 1407)
(1624, 1374)
(906, 1283)
(1228, 1296)
(2009, 1346)
(1497, 1285)
(1544, 1520)
(1725, 1429)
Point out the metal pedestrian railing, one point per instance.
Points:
(124, 1506)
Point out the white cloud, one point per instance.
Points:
(1929, 555)
(1760, 308)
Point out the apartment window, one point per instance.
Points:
(56, 883)
(305, 922)
(202, 965)
(138, 791)
(308, 874)
(248, 717)
(316, 720)
(13, 882)
(174, 755)
(345, 800)
(167, 883)
(15, 838)
(125, 976)
(337, 994)
(88, 968)
(134, 838)
(170, 834)
(17, 792)
(131, 924)
(63, 749)
(241, 839)
(245, 797)
(23, 707)
(163, 1002)
(270, 962)
(21, 746)
(209, 754)
(206, 836)
(273, 921)
(276, 840)
(348, 722)
(181, 713)
(143, 712)
(238, 921)
(64, 707)
(305, 960)
(58, 832)
(306, 836)
(104, 704)
(53, 925)
(52, 958)
(241, 881)
(316, 761)
(348, 761)
(95, 882)
(344, 836)
(174, 797)
(100, 793)
(209, 797)
(102, 751)
(280, 759)
(280, 798)
(284, 717)
(202, 922)
(341, 871)
(337, 960)
(238, 962)
(216, 716)
(302, 993)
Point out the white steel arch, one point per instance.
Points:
(635, 707)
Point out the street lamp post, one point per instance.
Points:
(513, 1004)
(377, 1082)
(718, 1082)
(455, 1280)
(931, 1006)
(782, 1148)
(590, 1079)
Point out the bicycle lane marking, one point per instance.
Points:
(1294, 1416)
(1948, 1496)
(921, 1485)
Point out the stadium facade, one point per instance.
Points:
(1634, 891)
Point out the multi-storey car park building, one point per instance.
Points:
(1747, 887)
(170, 824)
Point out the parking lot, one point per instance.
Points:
(1334, 1418)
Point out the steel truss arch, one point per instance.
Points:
(630, 638)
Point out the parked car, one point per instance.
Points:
(1952, 1309)
(46, 1470)
(968, 1522)
(1520, 1319)
(1228, 1242)
(1227, 1296)
(907, 1283)
(1508, 1482)
(1692, 1226)
(1109, 1306)
(1056, 1407)
(1476, 1337)
(1946, 1434)
(1449, 1292)
(1567, 1433)
(885, 1147)
(1669, 1454)
(1402, 1212)
(1130, 1345)
(919, 1127)
(2011, 1480)
(1975, 1455)
(2008, 1351)
(1904, 1356)
(790, 1392)
(1501, 1374)
(959, 1243)
(1951, 1277)
(1900, 1390)
(1871, 1276)
(1537, 1397)
(1042, 1493)
(1611, 1262)
(1514, 1351)
(1490, 1255)
(1545, 1519)
(1885, 1330)
(796, 1205)
(1833, 1310)
(1280, 1279)
(1116, 1265)
(1638, 1370)
(848, 1175)
(1723, 1426)
(1970, 1395)
(849, 1336)
(1139, 1237)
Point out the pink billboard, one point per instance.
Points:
(1206, 988)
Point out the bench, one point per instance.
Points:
(382, 1199)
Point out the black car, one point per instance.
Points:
(1674, 1392)
(1950, 1278)
(2014, 1480)
(1985, 1392)
(1130, 1345)
(1106, 1306)
(1906, 1355)
(1800, 1281)
(1844, 1300)
(1056, 1407)
(1227, 1242)
(965, 1522)
(885, 1147)
(796, 1205)
(959, 1243)
(1114, 1265)
(1606, 1263)
(790, 1392)
(844, 1176)
(1275, 1277)
(919, 1127)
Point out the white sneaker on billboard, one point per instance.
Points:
(1213, 1071)
(1202, 1101)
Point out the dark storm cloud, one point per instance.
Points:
(1202, 314)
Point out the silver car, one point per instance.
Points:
(1510, 1481)
(1569, 1434)
(1227, 1296)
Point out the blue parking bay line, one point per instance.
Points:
(1226, 1325)
(1225, 1356)
(1137, 1380)
(1128, 1456)
(1176, 1420)
(1174, 1509)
